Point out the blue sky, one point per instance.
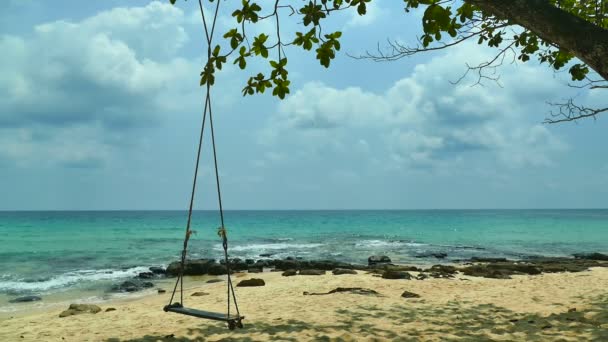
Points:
(100, 108)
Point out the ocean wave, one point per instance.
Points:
(66, 280)
(270, 246)
(387, 244)
(462, 247)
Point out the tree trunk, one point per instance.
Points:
(585, 40)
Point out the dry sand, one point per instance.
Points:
(520, 309)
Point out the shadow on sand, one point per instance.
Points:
(454, 321)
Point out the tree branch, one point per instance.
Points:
(587, 41)
(569, 111)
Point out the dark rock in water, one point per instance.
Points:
(132, 286)
(126, 286)
(266, 255)
(312, 272)
(110, 309)
(483, 271)
(422, 276)
(501, 270)
(199, 294)
(396, 275)
(25, 299)
(217, 269)
(339, 271)
(173, 269)
(402, 268)
(327, 265)
(443, 269)
(157, 270)
(439, 275)
(289, 273)
(211, 281)
(552, 265)
(516, 268)
(249, 261)
(483, 259)
(254, 270)
(378, 259)
(408, 294)
(563, 267)
(77, 309)
(251, 282)
(161, 291)
(591, 256)
(145, 275)
(236, 264)
(437, 255)
(239, 266)
(438, 271)
(287, 264)
(191, 267)
(380, 269)
(261, 264)
(531, 266)
(354, 290)
(290, 258)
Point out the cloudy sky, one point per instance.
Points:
(100, 109)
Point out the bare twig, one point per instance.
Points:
(569, 111)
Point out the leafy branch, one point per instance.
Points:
(445, 23)
(243, 48)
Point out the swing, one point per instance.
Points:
(233, 320)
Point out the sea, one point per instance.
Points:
(68, 256)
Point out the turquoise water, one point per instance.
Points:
(50, 252)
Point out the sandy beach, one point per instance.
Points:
(554, 306)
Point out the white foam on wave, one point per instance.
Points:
(270, 246)
(386, 244)
(62, 303)
(67, 279)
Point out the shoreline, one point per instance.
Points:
(463, 306)
(204, 269)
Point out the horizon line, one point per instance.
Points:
(306, 209)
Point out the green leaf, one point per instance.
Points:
(362, 9)
(578, 72)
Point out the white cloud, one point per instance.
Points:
(373, 14)
(422, 119)
(79, 146)
(105, 74)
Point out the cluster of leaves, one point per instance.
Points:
(593, 11)
(444, 23)
(243, 48)
(467, 21)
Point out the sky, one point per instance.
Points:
(100, 109)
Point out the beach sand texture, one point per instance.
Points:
(465, 308)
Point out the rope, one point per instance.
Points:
(222, 228)
(188, 224)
